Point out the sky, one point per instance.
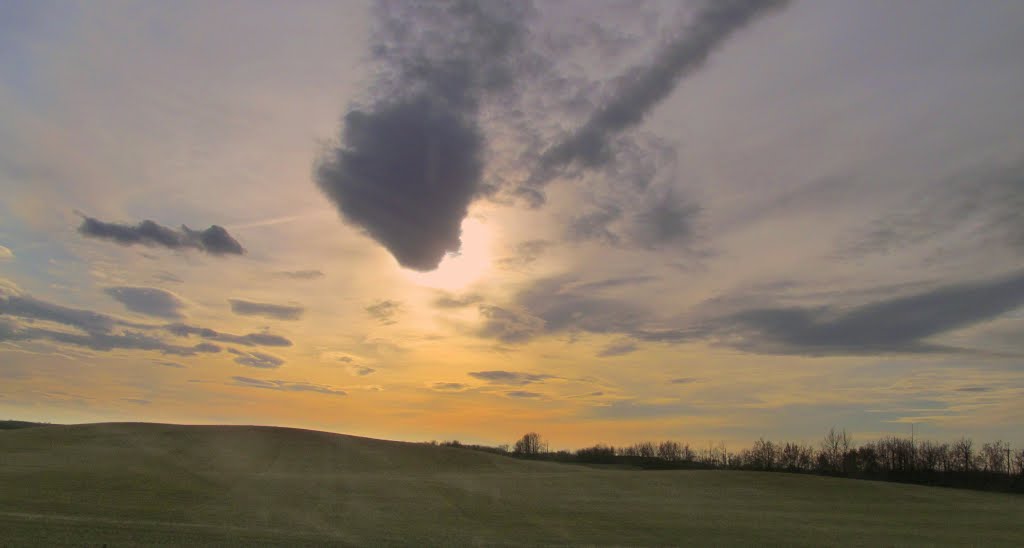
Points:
(604, 221)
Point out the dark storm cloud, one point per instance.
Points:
(256, 359)
(384, 311)
(250, 339)
(408, 165)
(642, 88)
(214, 240)
(301, 274)
(897, 325)
(266, 310)
(287, 386)
(150, 301)
(510, 377)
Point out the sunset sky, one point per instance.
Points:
(679, 220)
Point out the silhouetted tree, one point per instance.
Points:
(530, 444)
(964, 453)
(670, 451)
(833, 448)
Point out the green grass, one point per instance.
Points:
(151, 484)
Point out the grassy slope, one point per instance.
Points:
(148, 483)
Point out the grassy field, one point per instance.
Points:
(147, 484)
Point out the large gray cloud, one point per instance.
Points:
(408, 166)
(644, 87)
(150, 301)
(214, 240)
(897, 325)
(267, 310)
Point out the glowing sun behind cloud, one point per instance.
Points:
(458, 270)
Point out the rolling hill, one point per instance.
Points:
(147, 484)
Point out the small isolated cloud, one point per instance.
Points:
(384, 311)
(250, 339)
(266, 310)
(256, 359)
(975, 389)
(5, 253)
(683, 380)
(361, 370)
(288, 386)
(150, 301)
(449, 386)
(301, 274)
(510, 377)
(523, 394)
(174, 365)
(618, 348)
(457, 301)
(214, 240)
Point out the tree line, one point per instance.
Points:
(989, 466)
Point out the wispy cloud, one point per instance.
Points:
(287, 386)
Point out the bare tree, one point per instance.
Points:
(993, 456)
(834, 447)
(530, 444)
(964, 453)
(670, 451)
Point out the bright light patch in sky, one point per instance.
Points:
(470, 264)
